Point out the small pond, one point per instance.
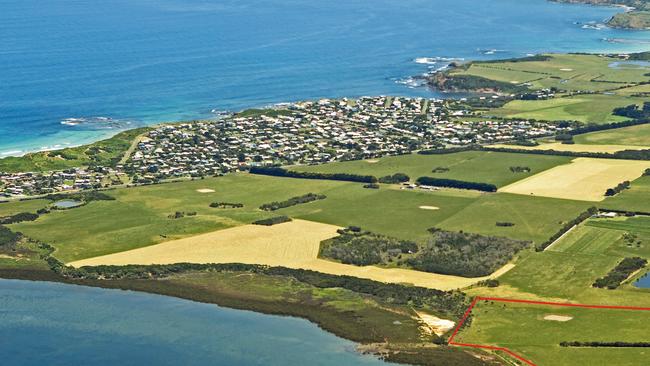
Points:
(67, 204)
(643, 282)
(629, 64)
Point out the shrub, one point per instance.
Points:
(281, 172)
(309, 197)
(395, 178)
(621, 272)
(452, 183)
(272, 221)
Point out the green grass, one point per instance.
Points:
(522, 329)
(535, 218)
(474, 166)
(14, 207)
(562, 71)
(596, 108)
(631, 20)
(587, 239)
(106, 152)
(139, 216)
(637, 198)
(634, 135)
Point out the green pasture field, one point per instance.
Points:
(634, 135)
(140, 216)
(473, 166)
(591, 108)
(522, 329)
(14, 207)
(567, 72)
(636, 198)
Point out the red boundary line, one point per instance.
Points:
(497, 299)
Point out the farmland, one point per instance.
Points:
(474, 166)
(292, 245)
(635, 198)
(584, 88)
(584, 108)
(536, 331)
(584, 179)
(140, 216)
(632, 136)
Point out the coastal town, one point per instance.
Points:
(309, 132)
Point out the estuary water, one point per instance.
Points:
(56, 324)
(72, 71)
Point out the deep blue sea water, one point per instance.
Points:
(145, 61)
(55, 324)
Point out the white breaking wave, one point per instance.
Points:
(435, 60)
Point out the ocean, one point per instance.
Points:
(54, 324)
(74, 71)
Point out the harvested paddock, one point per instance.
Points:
(584, 179)
(294, 244)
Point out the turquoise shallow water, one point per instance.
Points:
(56, 324)
(144, 61)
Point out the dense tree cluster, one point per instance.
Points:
(618, 189)
(464, 254)
(566, 227)
(272, 221)
(453, 183)
(363, 248)
(8, 239)
(85, 196)
(606, 344)
(633, 111)
(621, 272)
(450, 303)
(305, 198)
(19, 217)
(281, 172)
(226, 205)
(395, 178)
(565, 138)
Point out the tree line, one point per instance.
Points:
(621, 272)
(567, 226)
(618, 189)
(281, 172)
(272, 221)
(293, 201)
(606, 344)
(453, 183)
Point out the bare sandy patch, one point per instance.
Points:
(293, 244)
(434, 324)
(372, 161)
(558, 318)
(205, 190)
(558, 146)
(584, 179)
(429, 208)
(566, 69)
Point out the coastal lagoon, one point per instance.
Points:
(56, 324)
(74, 71)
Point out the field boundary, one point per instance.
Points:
(518, 301)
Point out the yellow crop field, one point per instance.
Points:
(584, 179)
(294, 244)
